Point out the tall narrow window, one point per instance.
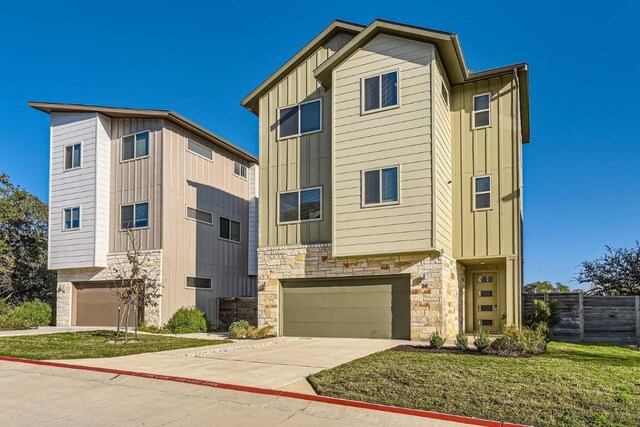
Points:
(481, 110)
(134, 216)
(481, 192)
(240, 170)
(379, 92)
(300, 205)
(381, 186)
(300, 119)
(445, 93)
(71, 220)
(72, 156)
(135, 146)
(229, 229)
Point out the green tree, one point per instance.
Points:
(23, 246)
(546, 286)
(617, 272)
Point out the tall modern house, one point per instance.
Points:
(187, 196)
(391, 187)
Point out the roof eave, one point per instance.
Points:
(250, 101)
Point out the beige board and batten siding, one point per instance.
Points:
(297, 162)
(79, 187)
(443, 162)
(137, 180)
(399, 136)
(495, 151)
(194, 248)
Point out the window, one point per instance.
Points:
(300, 119)
(485, 307)
(198, 282)
(379, 92)
(485, 322)
(199, 215)
(199, 149)
(72, 156)
(481, 113)
(134, 216)
(485, 279)
(300, 205)
(135, 146)
(485, 294)
(240, 170)
(380, 186)
(445, 93)
(229, 229)
(481, 193)
(71, 219)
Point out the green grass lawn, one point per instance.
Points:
(90, 344)
(569, 385)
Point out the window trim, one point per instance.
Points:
(281, 138)
(209, 289)
(445, 91)
(148, 226)
(186, 215)
(475, 193)
(220, 229)
(363, 203)
(64, 156)
(134, 147)
(242, 166)
(198, 154)
(65, 230)
(298, 221)
(474, 111)
(379, 74)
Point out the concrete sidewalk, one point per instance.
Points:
(40, 395)
(275, 363)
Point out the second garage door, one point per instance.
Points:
(96, 305)
(355, 308)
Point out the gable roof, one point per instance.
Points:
(171, 116)
(251, 100)
(447, 44)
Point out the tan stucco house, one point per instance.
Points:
(391, 187)
(188, 195)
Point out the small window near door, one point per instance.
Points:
(485, 322)
(72, 156)
(380, 186)
(229, 229)
(485, 294)
(481, 111)
(380, 92)
(71, 219)
(481, 193)
(485, 279)
(485, 308)
(135, 146)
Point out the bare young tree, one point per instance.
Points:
(135, 284)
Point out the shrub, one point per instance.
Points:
(462, 342)
(481, 340)
(239, 329)
(436, 340)
(29, 315)
(516, 341)
(187, 320)
(542, 313)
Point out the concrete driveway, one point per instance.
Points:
(275, 363)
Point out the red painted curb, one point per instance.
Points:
(270, 392)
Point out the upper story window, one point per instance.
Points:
(481, 192)
(71, 218)
(300, 119)
(445, 93)
(199, 149)
(72, 156)
(200, 215)
(381, 186)
(134, 216)
(481, 110)
(380, 92)
(135, 146)
(240, 170)
(300, 205)
(229, 229)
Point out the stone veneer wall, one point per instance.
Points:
(66, 278)
(437, 282)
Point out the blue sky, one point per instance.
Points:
(582, 186)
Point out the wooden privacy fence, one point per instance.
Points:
(587, 318)
(231, 309)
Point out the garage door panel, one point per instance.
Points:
(368, 308)
(96, 305)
